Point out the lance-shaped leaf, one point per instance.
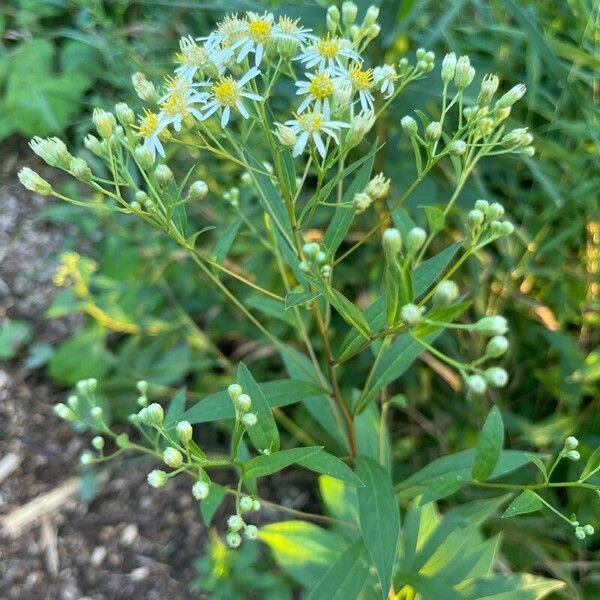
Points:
(489, 446)
(261, 466)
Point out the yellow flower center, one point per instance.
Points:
(361, 80)
(259, 30)
(321, 86)
(226, 92)
(174, 105)
(311, 122)
(328, 48)
(148, 124)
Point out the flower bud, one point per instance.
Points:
(163, 175)
(249, 420)
(510, 97)
(349, 12)
(571, 443)
(93, 144)
(475, 218)
(33, 182)
(420, 53)
(64, 412)
(496, 346)
(251, 532)
(482, 205)
(157, 478)
(361, 201)
(325, 271)
(125, 115)
(392, 242)
(495, 211)
(98, 442)
(200, 490)
(331, 24)
(52, 150)
(235, 522)
(410, 314)
(304, 266)
(370, 16)
(234, 391)
(476, 384)
(97, 413)
(73, 402)
(409, 126)
(448, 68)
(321, 258)
(243, 402)
(233, 539)
(246, 503)
(104, 122)
(579, 533)
(360, 125)
(489, 86)
(415, 239)
(142, 387)
(529, 151)
(496, 377)
(333, 13)
(378, 187)
(445, 293)
(81, 170)
(256, 505)
(464, 73)
(154, 415)
(573, 455)
(433, 132)
(285, 135)
(86, 458)
(198, 190)
(492, 326)
(457, 148)
(184, 431)
(501, 228)
(172, 457)
(588, 529)
(143, 157)
(311, 250)
(144, 88)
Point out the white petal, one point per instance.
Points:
(300, 144)
(304, 104)
(243, 111)
(225, 116)
(319, 143)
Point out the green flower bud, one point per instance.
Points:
(420, 53)
(163, 175)
(142, 387)
(251, 532)
(492, 326)
(310, 250)
(433, 132)
(334, 13)
(495, 210)
(86, 458)
(246, 504)
(235, 522)
(325, 271)
(475, 218)
(476, 384)
(496, 377)
(409, 126)
(33, 182)
(200, 490)
(143, 157)
(233, 539)
(457, 148)
(73, 402)
(81, 170)
(157, 478)
(489, 86)
(154, 415)
(234, 391)
(571, 443)
(321, 258)
(445, 293)
(125, 115)
(361, 201)
(415, 240)
(588, 529)
(464, 73)
(184, 431)
(249, 420)
(448, 68)
(97, 413)
(573, 455)
(482, 205)
(512, 96)
(410, 314)
(392, 242)
(304, 267)
(98, 442)
(496, 346)
(349, 12)
(64, 412)
(172, 457)
(370, 17)
(198, 190)
(256, 505)
(243, 402)
(378, 187)
(94, 145)
(144, 88)
(579, 533)
(285, 135)
(105, 123)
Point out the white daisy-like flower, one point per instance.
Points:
(256, 32)
(290, 35)
(320, 89)
(149, 129)
(227, 93)
(384, 78)
(209, 58)
(179, 104)
(328, 52)
(362, 83)
(310, 126)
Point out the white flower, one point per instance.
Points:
(328, 52)
(290, 35)
(179, 101)
(209, 58)
(312, 125)
(384, 78)
(319, 89)
(361, 82)
(227, 93)
(149, 129)
(255, 32)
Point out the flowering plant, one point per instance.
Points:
(308, 176)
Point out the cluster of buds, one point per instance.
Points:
(345, 21)
(236, 523)
(486, 218)
(376, 189)
(519, 140)
(569, 449)
(394, 247)
(242, 404)
(315, 260)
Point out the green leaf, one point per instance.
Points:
(264, 434)
(225, 241)
(210, 505)
(268, 464)
(428, 272)
(273, 308)
(14, 335)
(489, 446)
(592, 465)
(346, 576)
(526, 502)
(281, 392)
(326, 464)
(299, 298)
(176, 408)
(379, 518)
(435, 219)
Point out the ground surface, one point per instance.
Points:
(131, 541)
